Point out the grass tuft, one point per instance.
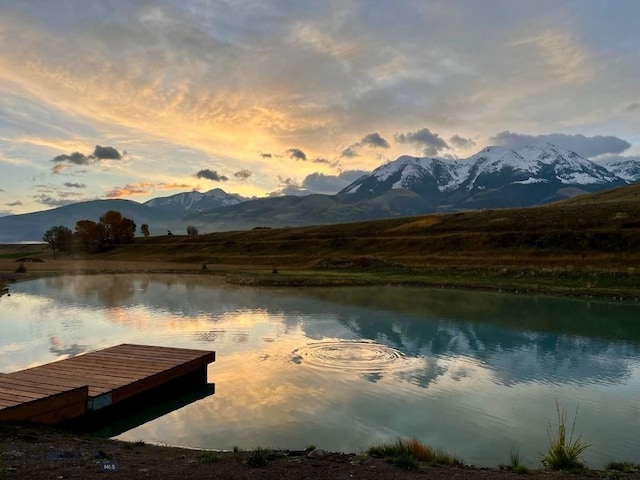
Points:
(625, 467)
(208, 456)
(565, 452)
(419, 451)
(399, 451)
(515, 463)
(257, 457)
(405, 461)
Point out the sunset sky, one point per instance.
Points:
(138, 99)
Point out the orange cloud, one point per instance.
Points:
(144, 188)
(57, 169)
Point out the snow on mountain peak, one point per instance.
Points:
(195, 202)
(527, 165)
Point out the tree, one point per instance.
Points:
(59, 238)
(89, 234)
(117, 229)
(191, 230)
(144, 229)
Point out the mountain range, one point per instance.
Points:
(495, 177)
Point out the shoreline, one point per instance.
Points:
(41, 452)
(519, 281)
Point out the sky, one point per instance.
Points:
(141, 99)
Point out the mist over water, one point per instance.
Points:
(474, 373)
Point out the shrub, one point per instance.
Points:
(21, 268)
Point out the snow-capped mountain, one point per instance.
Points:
(493, 177)
(625, 168)
(194, 203)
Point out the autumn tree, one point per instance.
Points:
(89, 234)
(144, 229)
(117, 229)
(59, 238)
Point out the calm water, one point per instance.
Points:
(474, 373)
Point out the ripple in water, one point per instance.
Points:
(356, 356)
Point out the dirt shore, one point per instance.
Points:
(36, 452)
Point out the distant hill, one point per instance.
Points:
(586, 231)
(32, 226)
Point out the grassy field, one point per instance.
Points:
(589, 245)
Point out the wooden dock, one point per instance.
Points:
(70, 388)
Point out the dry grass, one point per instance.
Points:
(406, 453)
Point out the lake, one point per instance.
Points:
(477, 374)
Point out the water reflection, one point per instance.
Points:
(57, 347)
(471, 372)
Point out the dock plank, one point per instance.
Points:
(46, 406)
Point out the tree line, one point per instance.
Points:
(111, 229)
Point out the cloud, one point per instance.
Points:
(330, 184)
(288, 186)
(431, 143)
(297, 154)
(373, 140)
(618, 159)
(632, 106)
(212, 175)
(74, 185)
(266, 155)
(144, 188)
(351, 151)
(242, 174)
(325, 161)
(50, 201)
(76, 158)
(57, 169)
(106, 153)
(460, 142)
(585, 146)
(14, 204)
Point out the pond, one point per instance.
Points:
(477, 374)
